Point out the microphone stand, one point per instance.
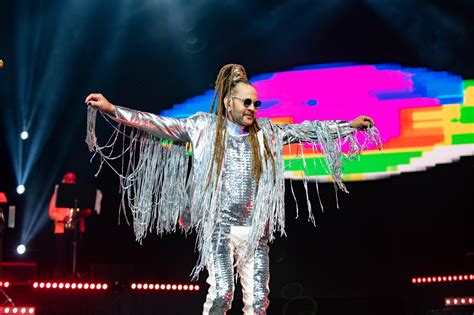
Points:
(7, 298)
(74, 243)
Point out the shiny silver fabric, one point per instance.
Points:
(153, 181)
(254, 274)
(238, 182)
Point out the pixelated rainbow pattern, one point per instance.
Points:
(424, 117)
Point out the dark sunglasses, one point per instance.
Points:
(247, 102)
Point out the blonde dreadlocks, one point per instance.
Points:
(227, 79)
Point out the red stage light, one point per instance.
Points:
(105, 286)
(99, 286)
(168, 286)
(458, 301)
(185, 287)
(79, 285)
(42, 285)
(67, 285)
(173, 287)
(180, 287)
(54, 285)
(61, 285)
(35, 285)
(157, 286)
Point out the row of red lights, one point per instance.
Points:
(438, 279)
(73, 286)
(458, 301)
(156, 286)
(17, 310)
(5, 284)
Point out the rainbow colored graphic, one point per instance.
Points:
(424, 117)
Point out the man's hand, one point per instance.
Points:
(99, 101)
(362, 122)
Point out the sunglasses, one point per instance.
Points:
(247, 102)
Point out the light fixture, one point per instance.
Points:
(24, 135)
(20, 189)
(21, 249)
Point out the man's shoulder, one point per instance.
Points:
(204, 116)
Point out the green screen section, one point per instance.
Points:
(468, 83)
(368, 163)
(463, 139)
(467, 114)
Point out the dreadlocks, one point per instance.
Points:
(227, 79)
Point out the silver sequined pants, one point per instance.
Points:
(254, 275)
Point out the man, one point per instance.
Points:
(234, 195)
(64, 225)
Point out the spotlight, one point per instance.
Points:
(21, 249)
(24, 135)
(20, 189)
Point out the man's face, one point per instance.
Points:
(236, 111)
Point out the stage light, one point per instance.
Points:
(20, 189)
(24, 135)
(167, 287)
(21, 249)
(442, 279)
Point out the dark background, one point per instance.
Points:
(151, 54)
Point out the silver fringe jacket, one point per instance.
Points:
(159, 187)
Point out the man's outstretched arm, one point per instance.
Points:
(159, 126)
